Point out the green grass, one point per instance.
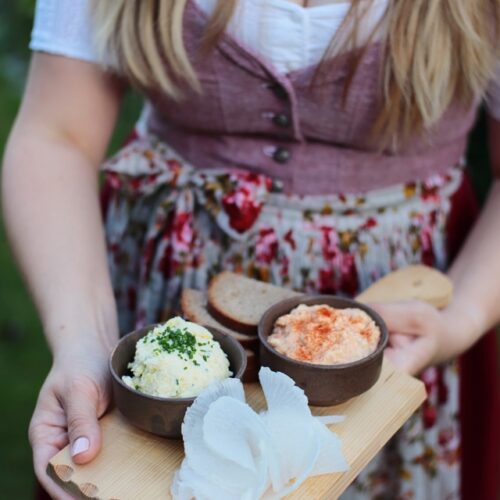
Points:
(24, 358)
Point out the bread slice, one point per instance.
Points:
(194, 308)
(239, 302)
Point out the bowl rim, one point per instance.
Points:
(304, 299)
(190, 399)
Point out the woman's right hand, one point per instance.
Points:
(75, 394)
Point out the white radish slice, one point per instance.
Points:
(233, 431)
(231, 387)
(296, 444)
(302, 468)
(330, 419)
(188, 484)
(288, 419)
(202, 459)
(232, 453)
(294, 431)
(281, 393)
(330, 459)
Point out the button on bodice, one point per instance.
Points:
(282, 120)
(281, 155)
(278, 90)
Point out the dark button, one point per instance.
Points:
(282, 120)
(281, 155)
(278, 90)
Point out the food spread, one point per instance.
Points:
(177, 359)
(324, 335)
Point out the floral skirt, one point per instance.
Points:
(170, 226)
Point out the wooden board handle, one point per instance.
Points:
(412, 282)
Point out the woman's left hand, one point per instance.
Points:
(420, 335)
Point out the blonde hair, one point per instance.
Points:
(434, 51)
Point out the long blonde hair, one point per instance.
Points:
(435, 51)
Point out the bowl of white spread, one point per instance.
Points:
(158, 371)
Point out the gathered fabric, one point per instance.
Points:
(171, 226)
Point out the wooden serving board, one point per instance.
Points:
(135, 465)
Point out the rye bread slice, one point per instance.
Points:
(239, 302)
(194, 308)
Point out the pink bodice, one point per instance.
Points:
(249, 116)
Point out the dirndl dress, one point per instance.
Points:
(170, 226)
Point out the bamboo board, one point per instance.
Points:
(136, 465)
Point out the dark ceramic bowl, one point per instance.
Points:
(324, 385)
(161, 416)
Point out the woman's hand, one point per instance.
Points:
(75, 394)
(420, 335)
(54, 222)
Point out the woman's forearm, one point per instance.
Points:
(50, 199)
(476, 271)
(476, 275)
(53, 220)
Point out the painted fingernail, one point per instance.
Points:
(81, 445)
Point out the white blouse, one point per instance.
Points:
(287, 35)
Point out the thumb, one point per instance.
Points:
(84, 431)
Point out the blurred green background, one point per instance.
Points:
(24, 358)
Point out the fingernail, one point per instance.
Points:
(81, 445)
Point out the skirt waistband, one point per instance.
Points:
(236, 198)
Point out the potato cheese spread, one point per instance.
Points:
(177, 359)
(324, 335)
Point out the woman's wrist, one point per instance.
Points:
(79, 351)
(464, 326)
(94, 329)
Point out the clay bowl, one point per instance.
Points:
(324, 385)
(160, 416)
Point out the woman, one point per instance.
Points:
(314, 144)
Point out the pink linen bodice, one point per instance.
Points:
(249, 116)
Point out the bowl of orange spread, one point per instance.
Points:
(331, 346)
